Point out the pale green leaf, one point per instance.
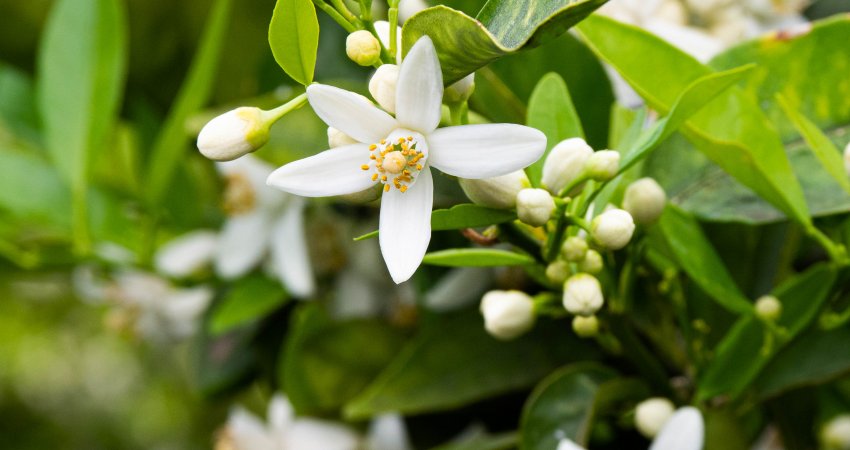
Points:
(294, 38)
(551, 110)
(248, 300)
(466, 215)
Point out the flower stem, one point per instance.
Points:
(553, 246)
(572, 185)
(837, 252)
(366, 10)
(80, 217)
(345, 24)
(392, 14)
(275, 114)
(339, 5)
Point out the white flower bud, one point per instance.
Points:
(461, 90)
(574, 249)
(835, 434)
(558, 271)
(585, 326)
(847, 159)
(363, 48)
(565, 163)
(233, 134)
(602, 165)
(534, 206)
(768, 308)
(613, 228)
(507, 314)
(652, 414)
(645, 200)
(497, 192)
(382, 86)
(582, 295)
(337, 138)
(592, 263)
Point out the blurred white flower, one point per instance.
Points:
(507, 314)
(835, 434)
(407, 8)
(186, 254)
(645, 200)
(261, 220)
(651, 415)
(684, 431)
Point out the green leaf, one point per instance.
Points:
(294, 38)
(324, 365)
(46, 199)
(476, 257)
(453, 362)
(695, 255)
(465, 44)
(171, 141)
(551, 110)
(743, 352)
(731, 130)
(249, 299)
(822, 147)
(562, 405)
(17, 103)
(220, 364)
(466, 215)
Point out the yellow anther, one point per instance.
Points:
(403, 189)
(372, 156)
(383, 178)
(401, 140)
(410, 138)
(374, 177)
(419, 167)
(386, 188)
(383, 141)
(373, 147)
(365, 167)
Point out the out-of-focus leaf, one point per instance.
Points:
(503, 26)
(294, 38)
(325, 364)
(695, 255)
(46, 199)
(454, 362)
(221, 363)
(730, 130)
(17, 103)
(551, 110)
(476, 257)
(249, 299)
(171, 142)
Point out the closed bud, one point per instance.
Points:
(586, 326)
(835, 434)
(592, 263)
(602, 165)
(507, 314)
(652, 414)
(234, 134)
(558, 271)
(363, 48)
(461, 90)
(337, 138)
(534, 206)
(645, 200)
(382, 86)
(574, 249)
(582, 295)
(497, 192)
(768, 308)
(613, 229)
(565, 163)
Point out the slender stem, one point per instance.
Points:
(365, 10)
(553, 246)
(339, 5)
(273, 115)
(836, 252)
(393, 17)
(572, 185)
(345, 24)
(80, 218)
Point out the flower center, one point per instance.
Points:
(239, 195)
(397, 159)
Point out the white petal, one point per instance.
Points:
(333, 172)
(248, 431)
(484, 151)
(312, 434)
(187, 304)
(567, 444)
(388, 432)
(356, 297)
(684, 431)
(351, 113)
(382, 27)
(289, 251)
(242, 244)
(254, 171)
(405, 227)
(186, 254)
(419, 90)
(281, 413)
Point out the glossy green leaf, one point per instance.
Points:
(743, 352)
(562, 405)
(324, 365)
(551, 110)
(453, 362)
(47, 199)
(731, 130)
(294, 38)
(695, 255)
(822, 147)
(465, 44)
(171, 141)
(249, 299)
(466, 215)
(476, 257)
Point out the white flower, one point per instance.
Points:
(835, 434)
(186, 254)
(592, 262)
(585, 326)
(613, 228)
(399, 152)
(645, 200)
(337, 138)
(382, 86)
(534, 206)
(407, 8)
(602, 165)
(684, 431)
(652, 414)
(564, 163)
(582, 295)
(388, 432)
(234, 134)
(363, 48)
(497, 192)
(460, 90)
(260, 220)
(507, 314)
(768, 308)
(574, 249)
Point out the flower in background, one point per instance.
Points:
(685, 430)
(399, 152)
(262, 220)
